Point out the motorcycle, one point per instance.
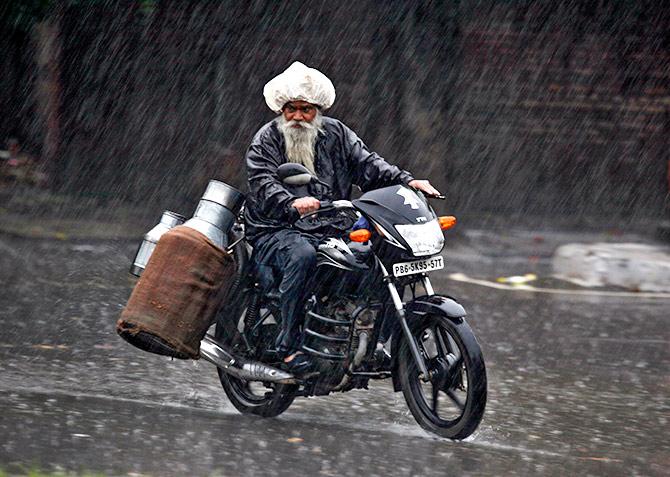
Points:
(371, 314)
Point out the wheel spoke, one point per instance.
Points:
(423, 350)
(436, 392)
(459, 404)
(457, 367)
(442, 347)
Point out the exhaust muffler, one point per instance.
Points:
(215, 353)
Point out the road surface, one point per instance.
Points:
(577, 384)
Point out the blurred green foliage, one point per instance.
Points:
(21, 15)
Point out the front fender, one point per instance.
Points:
(417, 308)
(434, 305)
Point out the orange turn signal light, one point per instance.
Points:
(360, 235)
(446, 221)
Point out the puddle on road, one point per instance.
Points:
(175, 439)
(484, 437)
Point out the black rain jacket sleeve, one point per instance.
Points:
(268, 194)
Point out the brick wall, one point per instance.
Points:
(574, 102)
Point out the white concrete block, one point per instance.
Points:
(630, 265)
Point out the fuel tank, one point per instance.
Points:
(343, 268)
(337, 253)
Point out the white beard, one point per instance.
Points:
(301, 141)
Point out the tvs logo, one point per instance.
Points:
(410, 197)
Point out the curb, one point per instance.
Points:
(461, 277)
(67, 229)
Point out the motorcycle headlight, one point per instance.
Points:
(423, 239)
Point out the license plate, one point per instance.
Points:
(420, 266)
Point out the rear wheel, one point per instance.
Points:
(451, 403)
(250, 397)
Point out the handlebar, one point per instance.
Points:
(438, 197)
(326, 206)
(429, 196)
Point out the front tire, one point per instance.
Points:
(451, 404)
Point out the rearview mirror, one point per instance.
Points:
(294, 174)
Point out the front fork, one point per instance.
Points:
(424, 375)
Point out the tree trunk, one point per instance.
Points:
(48, 91)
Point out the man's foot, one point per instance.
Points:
(299, 364)
(382, 358)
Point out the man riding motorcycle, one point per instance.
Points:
(330, 151)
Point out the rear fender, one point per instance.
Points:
(416, 309)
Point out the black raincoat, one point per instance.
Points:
(341, 160)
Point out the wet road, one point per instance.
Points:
(576, 384)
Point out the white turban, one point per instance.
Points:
(299, 83)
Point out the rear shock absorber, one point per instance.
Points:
(253, 309)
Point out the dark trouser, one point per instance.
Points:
(292, 257)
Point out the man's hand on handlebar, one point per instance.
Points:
(305, 205)
(425, 187)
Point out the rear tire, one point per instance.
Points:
(248, 397)
(458, 376)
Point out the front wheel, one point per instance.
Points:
(451, 403)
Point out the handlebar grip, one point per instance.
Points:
(294, 215)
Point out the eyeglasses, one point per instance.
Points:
(303, 109)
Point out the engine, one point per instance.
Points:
(339, 332)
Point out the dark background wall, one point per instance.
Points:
(513, 108)
(16, 85)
